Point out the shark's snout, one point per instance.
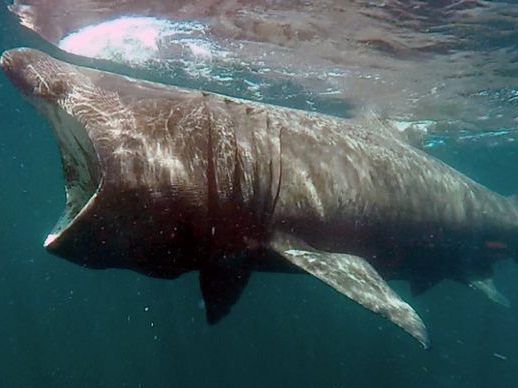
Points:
(18, 58)
(12, 59)
(6, 61)
(12, 63)
(31, 72)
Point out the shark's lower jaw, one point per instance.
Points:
(81, 170)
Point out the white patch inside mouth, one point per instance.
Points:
(81, 170)
(50, 238)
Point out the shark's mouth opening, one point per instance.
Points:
(81, 170)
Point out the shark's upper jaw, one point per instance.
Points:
(81, 171)
(35, 76)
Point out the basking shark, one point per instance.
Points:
(165, 180)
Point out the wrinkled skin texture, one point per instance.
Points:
(197, 181)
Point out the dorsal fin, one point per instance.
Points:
(410, 132)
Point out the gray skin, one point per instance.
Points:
(164, 180)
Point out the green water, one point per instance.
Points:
(65, 326)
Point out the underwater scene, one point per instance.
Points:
(269, 193)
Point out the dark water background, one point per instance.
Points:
(64, 326)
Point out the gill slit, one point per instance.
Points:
(212, 184)
(279, 182)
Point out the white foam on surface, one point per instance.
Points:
(135, 40)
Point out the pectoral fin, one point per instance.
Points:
(488, 288)
(354, 277)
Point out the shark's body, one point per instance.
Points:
(164, 180)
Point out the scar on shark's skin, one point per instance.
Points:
(164, 180)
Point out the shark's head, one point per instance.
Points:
(133, 162)
(46, 83)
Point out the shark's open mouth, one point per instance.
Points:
(81, 170)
